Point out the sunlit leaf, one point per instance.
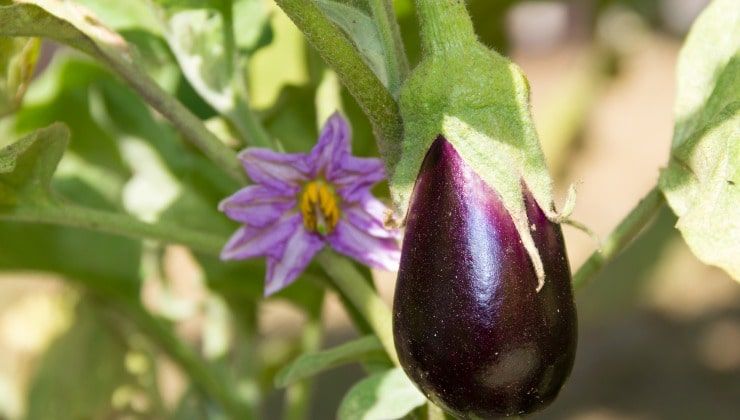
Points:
(196, 38)
(307, 365)
(702, 180)
(385, 395)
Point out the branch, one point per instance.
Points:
(620, 237)
(351, 283)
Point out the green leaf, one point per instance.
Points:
(26, 166)
(307, 365)
(79, 372)
(197, 40)
(17, 62)
(361, 30)
(68, 23)
(385, 395)
(702, 180)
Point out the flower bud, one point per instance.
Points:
(470, 327)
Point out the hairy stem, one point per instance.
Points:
(116, 223)
(445, 26)
(334, 47)
(390, 36)
(620, 237)
(351, 283)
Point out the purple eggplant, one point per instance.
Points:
(470, 328)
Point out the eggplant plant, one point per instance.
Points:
(279, 152)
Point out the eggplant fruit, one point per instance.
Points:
(470, 328)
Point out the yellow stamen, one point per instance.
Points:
(319, 206)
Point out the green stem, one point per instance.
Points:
(620, 237)
(116, 223)
(390, 35)
(445, 26)
(352, 284)
(374, 99)
(197, 370)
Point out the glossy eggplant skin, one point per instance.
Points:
(470, 328)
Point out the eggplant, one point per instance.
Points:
(471, 329)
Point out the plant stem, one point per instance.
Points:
(116, 223)
(352, 284)
(390, 36)
(374, 99)
(620, 237)
(197, 369)
(445, 26)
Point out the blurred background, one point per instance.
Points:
(659, 331)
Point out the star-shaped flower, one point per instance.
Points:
(301, 202)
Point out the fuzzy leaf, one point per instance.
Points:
(702, 180)
(26, 166)
(385, 395)
(307, 365)
(362, 31)
(68, 23)
(17, 62)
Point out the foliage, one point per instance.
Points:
(702, 177)
(126, 141)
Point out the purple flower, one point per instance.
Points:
(302, 201)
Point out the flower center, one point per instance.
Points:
(319, 206)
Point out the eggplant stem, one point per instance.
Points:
(620, 237)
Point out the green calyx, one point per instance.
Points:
(479, 101)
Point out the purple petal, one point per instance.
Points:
(258, 205)
(299, 251)
(369, 215)
(357, 175)
(278, 170)
(383, 253)
(332, 148)
(250, 242)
